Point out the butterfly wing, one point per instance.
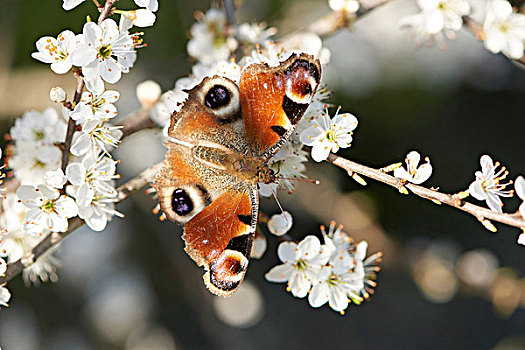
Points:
(196, 188)
(220, 238)
(274, 99)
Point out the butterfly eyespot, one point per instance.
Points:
(221, 98)
(218, 96)
(181, 202)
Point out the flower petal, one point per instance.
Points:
(279, 273)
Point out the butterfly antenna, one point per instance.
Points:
(315, 182)
(278, 203)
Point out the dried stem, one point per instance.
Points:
(452, 200)
(71, 124)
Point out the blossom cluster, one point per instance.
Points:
(503, 28)
(336, 272)
(67, 171)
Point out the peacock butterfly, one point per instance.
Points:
(218, 148)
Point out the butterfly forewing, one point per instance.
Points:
(274, 99)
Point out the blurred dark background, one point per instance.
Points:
(446, 281)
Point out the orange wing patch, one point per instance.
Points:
(210, 231)
(274, 99)
(261, 101)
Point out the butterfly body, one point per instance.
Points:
(218, 149)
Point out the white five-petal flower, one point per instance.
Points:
(59, 52)
(93, 106)
(210, 40)
(327, 134)
(414, 172)
(92, 177)
(111, 51)
(487, 186)
(504, 29)
(301, 264)
(47, 209)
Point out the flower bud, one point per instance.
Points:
(57, 94)
(148, 93)
(279, 224)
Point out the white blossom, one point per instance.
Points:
(71, 4)
(347, 6)
(301, 264)
(519, 187)
(210, 40)
(271, 54)
(98, 212)
(337, 240)
(414, 172)
(152, 5)
(94, 189)
(504, 29)
(59, 52)
(259, 246)
(95, 137)
(16, 241)
(171, 101)
(437, 16)
(95, 107)
(140, 18)
(335, 283)
(487, 186)
(148, 93)
(57, 94)
(30, 161)
(5, 296)
(280, 224)
(111, 51)
(55, 179)
(35, 127)
(47, 209)
(327, 135)
(306, 42)
(34, 151)
(12, 218)
(92, 177)
(3, 267)
(521, 239)
(255, 33)
(287, 164)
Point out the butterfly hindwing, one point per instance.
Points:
(220, 238)
(273, 99)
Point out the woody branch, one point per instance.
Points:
(71, 124)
